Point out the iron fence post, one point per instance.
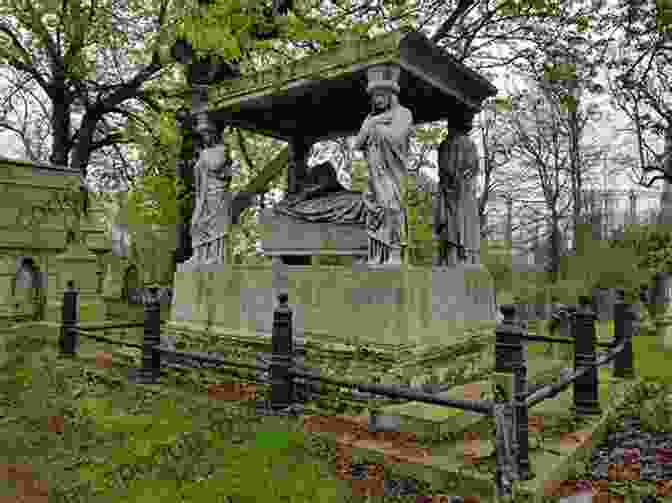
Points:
(586, 386)
(505, 345)
(565, 330)
(151, 357)
(571, 314)
(519, 367)
(69, 337)
(510, 359)
(626, 325)
(282, 382)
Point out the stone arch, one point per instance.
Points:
(131, 284)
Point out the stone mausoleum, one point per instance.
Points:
(39, 253)
(401, 312)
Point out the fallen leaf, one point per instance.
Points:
(103, 360)
(621, 472)
(664, 488)
(472, 391)
(16, 471)
(535, 424)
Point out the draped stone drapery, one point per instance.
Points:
(324, 199)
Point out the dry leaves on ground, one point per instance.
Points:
(28, 488)
(232, 392)
(103, 360)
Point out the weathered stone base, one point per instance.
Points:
(366, 305)
(403, 323)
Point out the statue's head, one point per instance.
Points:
(207, 130)
(382, 99)
(383, 86)
(210, 138)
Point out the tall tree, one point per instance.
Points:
(641, 86)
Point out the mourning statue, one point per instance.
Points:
(212, 174)
(384, 136)
(446, 225)
(456, 220)
(323, 199)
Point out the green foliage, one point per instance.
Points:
(153, 201)
(656, 413)
(419, 222)
(150, 211)
(651, 245)
(496, 257)
(600, 266)
(269, 467)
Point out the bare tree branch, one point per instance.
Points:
(463, 6)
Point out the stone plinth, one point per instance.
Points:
(212, 247)
(392, 307)
(80, 265)
(283, 235)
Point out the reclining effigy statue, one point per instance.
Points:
(324, 199)
(384, 137)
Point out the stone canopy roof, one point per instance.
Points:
(324, 96)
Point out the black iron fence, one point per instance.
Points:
(71, 329)
(580, 323)
(511, 414)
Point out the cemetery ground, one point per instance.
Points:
(76, 430)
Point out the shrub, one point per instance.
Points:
(651, 246)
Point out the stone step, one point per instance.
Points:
(466, 466)
(433, 422)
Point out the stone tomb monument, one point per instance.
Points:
(390, 84)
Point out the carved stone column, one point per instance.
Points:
(211, 220)
(465, 248)
(201, 73)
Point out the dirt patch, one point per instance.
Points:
(232, 392)
(353, 432)
(28, 488)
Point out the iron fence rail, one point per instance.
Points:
(392, 391)
(111, 327)
(102, 338)
(544, 338)
(286, 374)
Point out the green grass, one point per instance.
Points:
(169, 443)
(126, 443)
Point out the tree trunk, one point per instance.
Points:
(554, 265)
(576, 176)
(665, 217)
(82, 154)
(60, 125)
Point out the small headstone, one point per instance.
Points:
(168, 341)
(362, 395)
(383, 423)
